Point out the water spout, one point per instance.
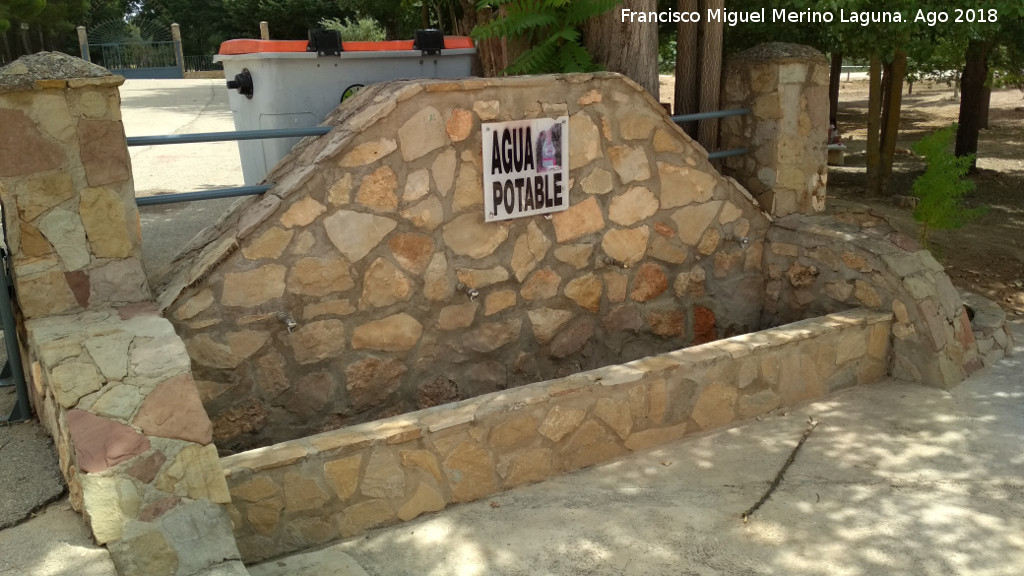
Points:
(288, 321)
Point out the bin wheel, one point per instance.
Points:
(350, 91)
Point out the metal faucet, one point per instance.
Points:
(288, 321)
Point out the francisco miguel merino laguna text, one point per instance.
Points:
(732, 18)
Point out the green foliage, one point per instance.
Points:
(552, 28)
(942, 188)
(360, 30)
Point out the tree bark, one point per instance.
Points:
(897, 72)
(687, 67)
(874, 124)
(834, 77)
(624, 47)
(710, 77)
(972, 87)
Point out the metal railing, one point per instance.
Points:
(711, 116)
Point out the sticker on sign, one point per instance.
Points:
(526, 168)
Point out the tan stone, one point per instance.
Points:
(866, 294)
(194, 305)
(681, 186)
(195, 473)
(368, 153)
(108, 502)
(105, 220)
(371, 381)
(585, 144)
(709, 242)
(632, 206)
(256, 489)
(254, 287)
(514, 432)
(33, 243)
(443, 170)
(626, 246)
(459, 125)
(396, 333)
(468, 235)
(319, 277)
(354, 234)
(630, 163)
(585, 291)
(590, 445)
(206, 351)
(423, 460)
(423, 133)
(856, 262)
(715, 406)
(616, 414)
(425, 499)
(576, 255)
(655, 437)
(72, 380)
(665, 250)
(457, 316)
(340, 192)
(467, 189)
(487, 110)
(489, 337)
(470, 472)
(500, 300)
(265, 516)
(633, 126)
(377, 190)
(615, 286)
(384, 477)
(384, 285)
(650, 282)
(358, 518)
(328, 308)
(436, 285)
(546, 322)
(579, 220)
(303, 244)
(691, 282)
(316, 341)
(599, 181)
(65, 232)
(561, 421)
(527, 466)
(417, 184)
(302, 213)
(412, 251)
(541, 285)
(303, 493)
(692, 221)
(531, 247)
(427, 215)
(269, 245)
(42, 192)
(45, 294)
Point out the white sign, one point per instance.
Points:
(526, 168)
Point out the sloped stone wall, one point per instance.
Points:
(374, 234)
(338, 484)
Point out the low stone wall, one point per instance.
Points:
(819, 263)
(301, 493)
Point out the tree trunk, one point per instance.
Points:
(986, 104)
(625, 47)
(834, 77)
(972, 87)
(897, 72)
(874, 124)
(710, 77)
(687, 67)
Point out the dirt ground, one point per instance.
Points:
(987, 255)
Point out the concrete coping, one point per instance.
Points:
(53, 71)
(412, 425)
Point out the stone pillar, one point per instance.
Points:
(786, 88)
(66, 186)
(83, 43)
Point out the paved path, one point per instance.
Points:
(895, 479)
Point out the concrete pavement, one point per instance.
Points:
(895, 479)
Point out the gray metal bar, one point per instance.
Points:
(710, 115)
(21, 410)
(727, 153)
(201, 195)
(226, 136)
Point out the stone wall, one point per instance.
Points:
(785, 86)
(108, 376)
(338, 484)
(374, 233)
(816, 264)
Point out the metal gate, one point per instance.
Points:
(134, 49)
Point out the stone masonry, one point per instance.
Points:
(108, 376)
(303, 493)
(373, 235)
(785, 86)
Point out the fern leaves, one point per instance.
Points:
(552, 28)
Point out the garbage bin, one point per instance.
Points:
(279, 84)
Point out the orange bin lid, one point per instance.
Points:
(252, 46)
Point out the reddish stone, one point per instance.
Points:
(372, 380)
(129, 311)
(146, 469)
(440, 390)
(664, 229)
(23, 148)
(101, 443)
(572, 338)
(649, 283)
(667, 323)
(78, 281)
(703, 325)
(173, 410)
(103, 151)
(158, 508)
(965, 334)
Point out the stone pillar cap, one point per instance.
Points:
(777, 50)
(53, 70)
